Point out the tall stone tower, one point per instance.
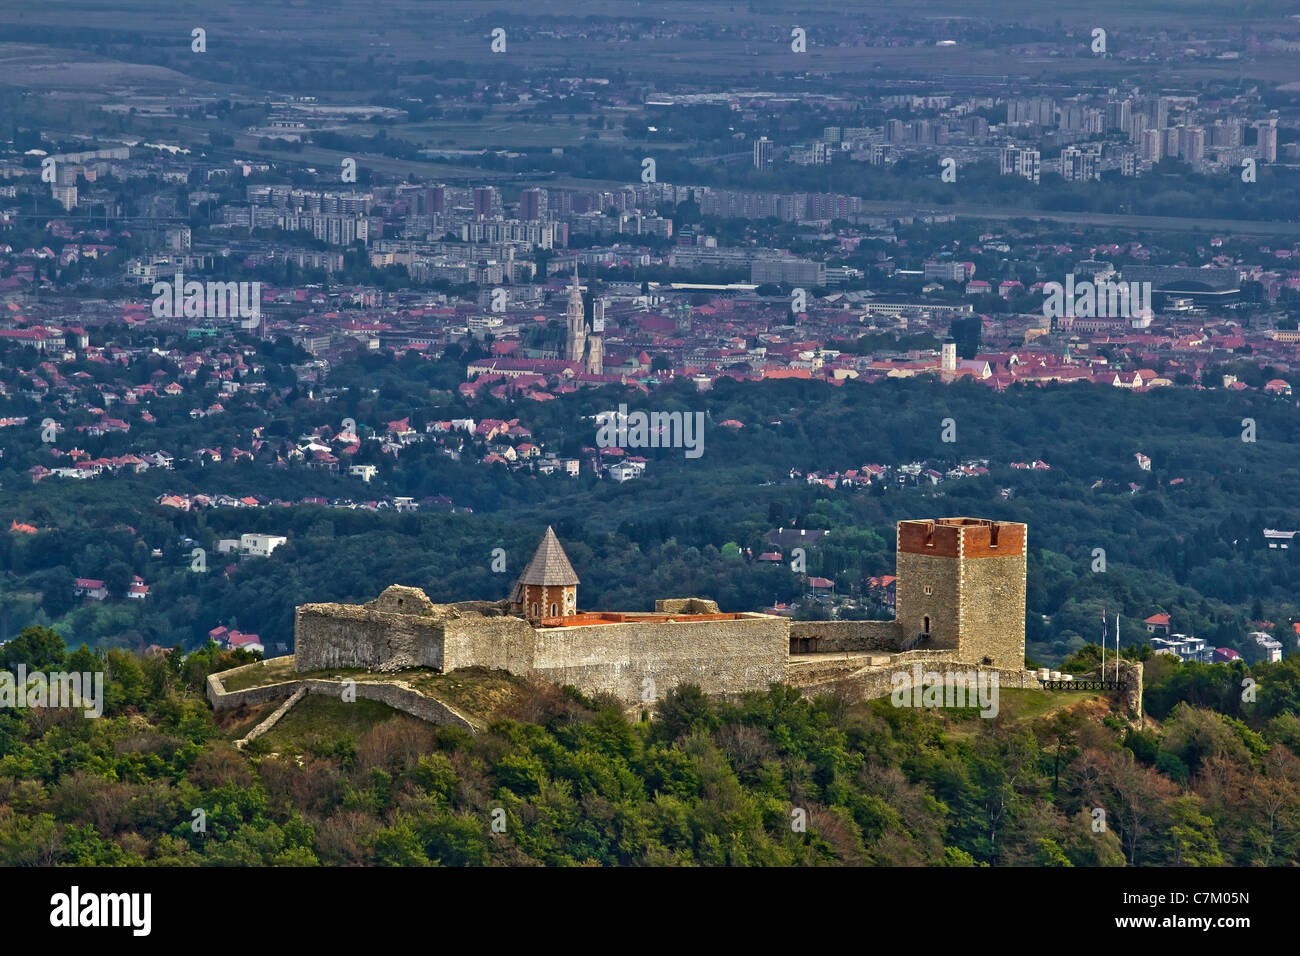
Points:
(576, 320)
(549, 586)
(961, 587)
(596, 343)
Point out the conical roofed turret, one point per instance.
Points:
(549, 567)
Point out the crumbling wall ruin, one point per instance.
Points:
(400, 628)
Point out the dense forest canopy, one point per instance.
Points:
(776, 779)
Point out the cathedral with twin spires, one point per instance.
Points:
(588, 349)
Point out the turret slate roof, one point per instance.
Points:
(549, 565)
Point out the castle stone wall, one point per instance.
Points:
(397, 694)
(501, 643)
(929, 586)
(993, 611)
(632, 659)
(811, 637)
(348, 635)
(274, 719)
(873, 683)
(222, 699)
(686, 606)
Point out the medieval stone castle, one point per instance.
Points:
(960, 606)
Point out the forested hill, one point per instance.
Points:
(1207, 780)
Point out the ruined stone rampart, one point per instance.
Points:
(398, 695)
(274, 719)
(395, 693)
(222, 699)
(345, 635)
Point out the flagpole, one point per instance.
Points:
(1117, 647)
(1103, 643)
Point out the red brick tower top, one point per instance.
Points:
(962, 537)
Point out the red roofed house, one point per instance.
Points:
(248, 642)
(1158, 624)
(884, 589)
(91, 588)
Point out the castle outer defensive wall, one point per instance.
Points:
(960, 608)
(635, 657)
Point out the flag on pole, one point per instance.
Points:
(1103, 643)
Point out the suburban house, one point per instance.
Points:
(252, 545)
(260, 545)
(236, 641)
(1157, 624)
(229, 639)
(883, 589)
(91, 588)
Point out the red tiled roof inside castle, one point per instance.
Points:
(615, 617)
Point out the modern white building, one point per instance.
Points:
(1185, 647)
(1021, 162)
(260, 545)
(1267, 643)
